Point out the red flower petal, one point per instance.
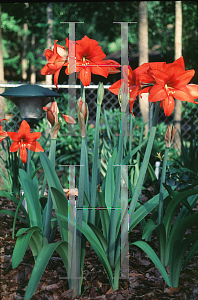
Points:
(85, 76)
(24, 128)
(168, 105)
(193, 89)
(14, 147)
(23, 153)
(34, 146)
(14, 136)
(157, 93)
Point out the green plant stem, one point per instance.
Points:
(75, 283)
(28, 161)
(130, 135)
(161, 195)
(47, 225)
(116, 201)
(144, 166)
(95, 167)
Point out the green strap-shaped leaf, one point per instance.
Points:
(184, 212)
(99, 235)
(144, 210)
(21, 247)
(162, 241)
(11, 213)
(21, 231)
(35, 243)
(190, 254)
(110, 185)
(172, 207)
(133, 152)
(52, 178)
(61, 206)
(178, 232)
(177, 256)
(41, 263)
(15, 200)
(148, 229)
(33, 204)
(155, 259)
(104, 214)
(91, 237)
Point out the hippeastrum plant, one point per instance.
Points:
(101, 228)
(39, 230)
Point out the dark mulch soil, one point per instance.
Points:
(144, 282)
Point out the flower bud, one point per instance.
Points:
(100, 93)
(68, 119)
(82, 107)
(83, 113)
(52, 113)
(123, 97)
(169, 136)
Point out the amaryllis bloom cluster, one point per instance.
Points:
(23, 140)
(165, 83)
(86, 57)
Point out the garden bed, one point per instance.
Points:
(145, 281)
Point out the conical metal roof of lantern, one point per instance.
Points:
(30, 99)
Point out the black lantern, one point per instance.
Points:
(30, 99)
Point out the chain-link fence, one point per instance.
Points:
(189, 111)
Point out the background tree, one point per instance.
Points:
(2, 101)
(49, 11)
(143, 57)
(178, 54)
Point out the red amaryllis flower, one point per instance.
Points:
(25, 139)
(90, 59)
(171, 83)
(56, 60)
(132, 80)
(3, 134)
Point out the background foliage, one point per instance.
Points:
(98, 18)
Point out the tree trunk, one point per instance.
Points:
(178, 54)
(49, 11)
(24, 59)
(2, 101)
(143, 57)
(33, 69)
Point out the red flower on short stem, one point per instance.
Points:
(132, 80)
(24, 139)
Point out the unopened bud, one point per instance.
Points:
(100, 93)
(68, 119)
(82, 107)
(52, 113)
(169, 136)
